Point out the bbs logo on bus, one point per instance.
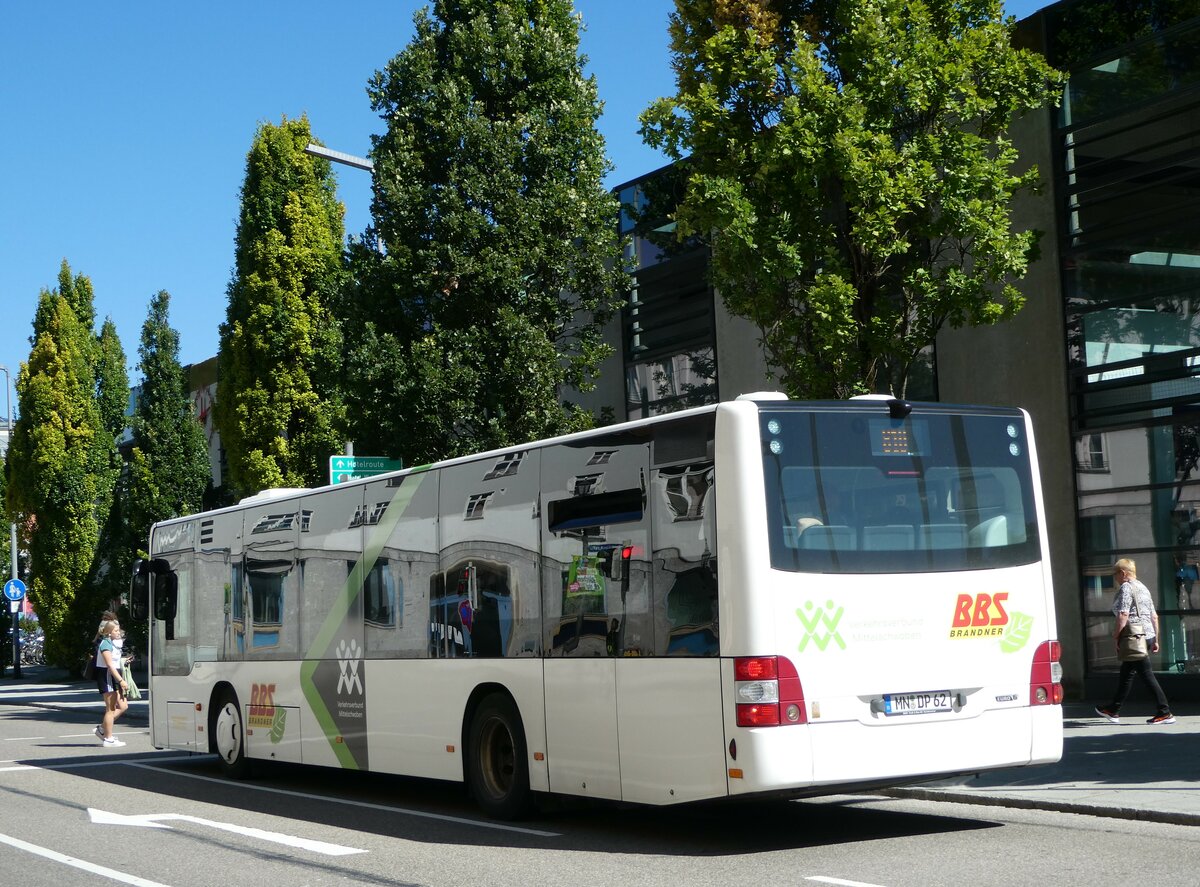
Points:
(979, 616)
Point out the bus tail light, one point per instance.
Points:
(1045, 677)
(767, 692)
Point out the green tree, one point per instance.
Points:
(59, 457)
(850, 161)
(112, 381)
(169, 467)
(493, 263)
(277, 407)
(108, 576)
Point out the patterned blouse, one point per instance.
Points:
(1123, 602)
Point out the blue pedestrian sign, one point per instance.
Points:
(14, 590)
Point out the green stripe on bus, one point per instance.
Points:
(377, 539)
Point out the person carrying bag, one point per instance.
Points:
(1131, 643)
(1136, 637)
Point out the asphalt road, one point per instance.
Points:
(73, 812)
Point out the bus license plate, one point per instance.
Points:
(917, 703)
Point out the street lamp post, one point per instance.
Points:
(16, 616)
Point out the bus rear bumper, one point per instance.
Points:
(827, 757)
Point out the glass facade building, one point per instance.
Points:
(1126, 143)
(669, 327)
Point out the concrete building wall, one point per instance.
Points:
(741, 364)
(1023, 363)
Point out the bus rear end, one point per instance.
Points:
(886, 608)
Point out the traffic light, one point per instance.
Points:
(614, 562)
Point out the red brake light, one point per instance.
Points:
(767, 692)
(758, 715)
(755, 668)
(1045, 675)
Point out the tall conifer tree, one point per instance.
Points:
(169, 467)
(61, 459)
(109, 575)
(278, 409)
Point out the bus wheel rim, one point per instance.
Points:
(229, 732)
(498, 758)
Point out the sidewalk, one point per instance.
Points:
(43, 686)
(1129, 770)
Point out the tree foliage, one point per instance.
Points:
(277, 407)
(493, 264)
(60, 461)
(851, 162)
(108, 575)
(168, 467)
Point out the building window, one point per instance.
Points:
(475, 506)
(506, 466)
(586, 484)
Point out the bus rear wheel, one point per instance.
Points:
(497, 766)
(229, 735)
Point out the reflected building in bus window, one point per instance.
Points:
(483, 599)
(403, 529)
(594, 548)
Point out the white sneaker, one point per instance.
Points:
(99, 731)
(112, 743)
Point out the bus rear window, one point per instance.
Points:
(851, 491)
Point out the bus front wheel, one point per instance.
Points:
(229, 735)
(497, 767)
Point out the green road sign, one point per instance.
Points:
(347, 468)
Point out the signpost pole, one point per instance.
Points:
(16, 616)
(14, 593)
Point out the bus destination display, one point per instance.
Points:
(891, 438)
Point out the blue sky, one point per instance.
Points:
(127, 127)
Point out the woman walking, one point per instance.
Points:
(109, 681)
(1133, 605)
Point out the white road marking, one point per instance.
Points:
(840, 881)
(328, 799)
(105, 761)
(100, 761)
(86, 866)
(155, 820)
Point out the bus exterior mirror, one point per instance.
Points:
(166, 602)
(139, 590)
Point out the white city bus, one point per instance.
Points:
(752, 598)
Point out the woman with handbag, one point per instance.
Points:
(110, 682)
(1136, 636)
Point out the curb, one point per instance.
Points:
(953, 797)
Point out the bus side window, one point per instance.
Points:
(685, 577)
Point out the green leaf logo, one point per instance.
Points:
(1017, 634)
(278, 725)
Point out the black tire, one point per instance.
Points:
(227, 736)
(497, 766)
